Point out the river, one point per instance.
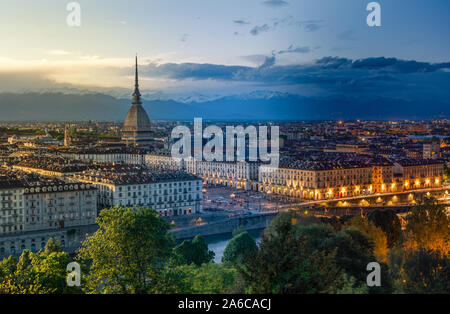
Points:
(217, 243)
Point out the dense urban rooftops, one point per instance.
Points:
(105, 150)
(8, 183)
(132, 174)
(52, 163)
(331, 161)
(32, 183)
(408, 162)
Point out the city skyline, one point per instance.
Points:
(285, 56)
(224, 153)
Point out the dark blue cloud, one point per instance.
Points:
(275, 3)
(293, 49)
(241, 22)
(311, 26)
(327, 68)
(399, 66)
(194, 71)
(410, 80)
(333, 62)
(393, 65)
(308, 25)
(268, 62)
(259, 29)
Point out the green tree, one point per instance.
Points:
(195, 251)
(367, 227)
(238, 230)
(285, 264)
(427, 226)
(12, 284)
(353, 251)
(389, 222)
(51, 246)
(209, 278)
(352, 287)
(25, 261)
(8, 266)
(41, 273)
(51, 271)
(426, 271)
(128, 253)
(240, 247)
(290, 217)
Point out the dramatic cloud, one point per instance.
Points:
(327, 74)
(369, 77)
(293, 49)
(338, 87)
(268, 62)
(241, 22)
(328, 70)
(308, 25)
(275, 3)
(411, 81)
(311, 26)
(392, 65)
(259, 29)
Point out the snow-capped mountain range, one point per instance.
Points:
(150, 95)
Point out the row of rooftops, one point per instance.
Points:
(128, 150)
(10, 183)
(318, 165)
(334, 161)
(42, 185)
(62, 187)
(131, 175)
(408, 162)
(104, 150)
(52, 163)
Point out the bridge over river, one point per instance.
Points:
(400, 202)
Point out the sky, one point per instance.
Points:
(313, 48)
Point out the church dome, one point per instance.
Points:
(136, 127)
(136, 119)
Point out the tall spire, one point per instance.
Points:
(136, 127)
(137, 76)
(136, 94)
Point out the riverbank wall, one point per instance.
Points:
(249, 222)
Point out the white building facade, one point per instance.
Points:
(233, 174)
(170, 194)
(31, 214)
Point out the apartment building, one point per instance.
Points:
(126, 155)
(32, 211)
(316, 180)
(11, 206)
(419, 173)
(55, 206)
(164, 161)
(169, 193)
(233, 174)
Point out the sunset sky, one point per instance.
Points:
(226, 47)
